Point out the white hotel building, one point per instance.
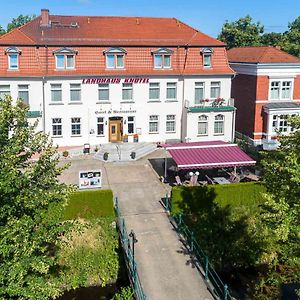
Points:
(104, 79)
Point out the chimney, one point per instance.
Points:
(45, 18)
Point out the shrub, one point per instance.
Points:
(65, 153)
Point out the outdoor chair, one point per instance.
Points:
(209, 180)
(178, 180)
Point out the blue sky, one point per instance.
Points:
(205, 15)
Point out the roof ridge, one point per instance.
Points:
(84, 16)
(15, 30)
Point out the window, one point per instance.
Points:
(75, 126)
(65, 58)
(171, 91)
(56, 127)
(215, 88)
(56, 92)
(127, 92)
(153, 124)
(280, 123)
(207, 57)
(100, 126)
(202, 125)
(219, 125)
(162, 58)
(115, 58)
(4, 91)
(280, 90)
(154, 91)
(75, 92)
(103, 92)
(23, 93)
(170, 123)
(13, 58)
(199, 92)
(130, 123)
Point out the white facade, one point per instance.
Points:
(172, 118)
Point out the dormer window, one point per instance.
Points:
(65, 58)
(207, 55)
(162, 58)
(13, 58)
(115, 58)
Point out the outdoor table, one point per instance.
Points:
(221, 180)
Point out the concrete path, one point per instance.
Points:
(164, 266)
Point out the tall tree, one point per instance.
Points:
(31, 208)
(243, 32)
(19, 21)
(2, 30)
(272, 39)
(292, 38)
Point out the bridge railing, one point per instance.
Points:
(129, 257)
(210, 275)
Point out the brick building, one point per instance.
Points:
(266, 90)
(96, 79)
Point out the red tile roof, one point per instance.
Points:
(85, 30)
(266, 54)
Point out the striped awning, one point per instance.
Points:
(208, 155)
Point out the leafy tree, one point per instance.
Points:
(19, 21)
(2, 30)
(31, 208)
(243, 32)
(271, 39)
(292, 38)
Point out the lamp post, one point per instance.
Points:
(193, 177)
(133, 239)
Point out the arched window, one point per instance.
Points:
(115, 58)
(203, 125)
(219, 125)
(13, 57)
(162, 58)
(207, 55)
(65, 58)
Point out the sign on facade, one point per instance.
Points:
(90, 179)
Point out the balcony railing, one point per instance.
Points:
(215, 102)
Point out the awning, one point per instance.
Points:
(208, 155)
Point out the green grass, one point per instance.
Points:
(246, 194)
(90, 204)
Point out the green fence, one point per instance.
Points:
(129, 258)
(219, 289)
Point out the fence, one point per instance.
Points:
(129, 256)
(218, 287)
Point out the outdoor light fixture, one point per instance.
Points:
(134, 240)
(105, 122)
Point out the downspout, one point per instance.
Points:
(184, 113)
(44, 117)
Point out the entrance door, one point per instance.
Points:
(115, 128)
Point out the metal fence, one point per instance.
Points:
(129, 257)
(218, 287)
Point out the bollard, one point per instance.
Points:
(206, 268)
(192, 241)
(225, 291)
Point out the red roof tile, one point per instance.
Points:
(266, 54)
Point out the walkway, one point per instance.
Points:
(164, 266)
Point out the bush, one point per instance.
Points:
(235, 194)
(90, 204)
(125, 294)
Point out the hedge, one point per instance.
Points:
(235, 194)
(90, 204)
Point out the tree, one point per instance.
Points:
(31, 208)
(292, 38)
(2, 30)
(271, 39)
(243, 32)
(19, 21)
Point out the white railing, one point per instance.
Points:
(215, 102)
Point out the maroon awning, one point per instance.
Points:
(208, 155)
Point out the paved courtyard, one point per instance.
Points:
(164, 266)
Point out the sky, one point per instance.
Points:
(207, 16)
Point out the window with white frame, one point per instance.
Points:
(153, 124)
(103, 92)
(100, 126)
(56, 92)
(13, 54)
(75, 126)
(207, 57)
(199, 92)
(127, 92)
(215, 89)
(280, 90)
(115, 58)
(219, 125)
(130, 124)
(4, 91)
(171, 90)
(65, 58)
(202, 125)
(154, 91)
(56, 127)
(75, 92)
(280, 124)
(162, 58)
(171, 123)
(23, 93)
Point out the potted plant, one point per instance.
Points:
(105, 156)
(220, 101)
(125, 138)
(65, 153)
(96, 149)
(135, 138)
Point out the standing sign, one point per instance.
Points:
(90, 179)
